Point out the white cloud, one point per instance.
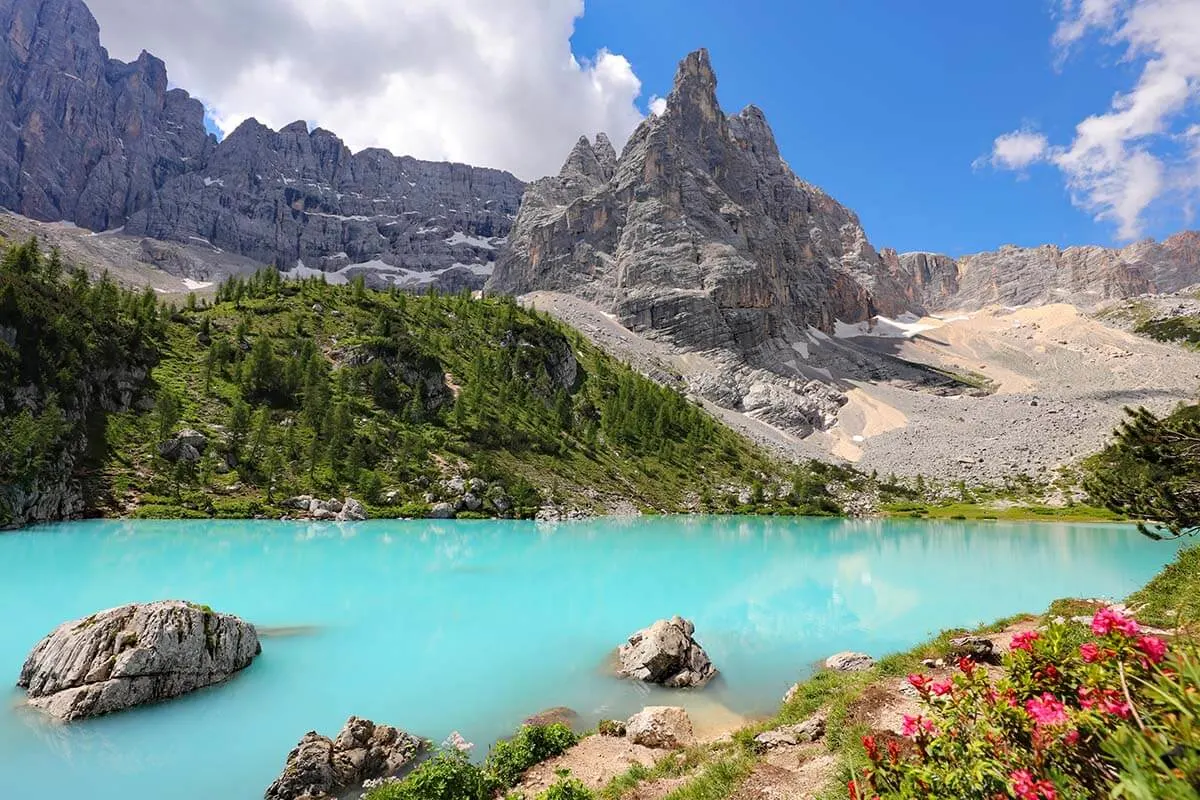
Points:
(490, 83)
(1120, 162)
(658, 105)
(1016, 150)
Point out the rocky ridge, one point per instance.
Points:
(1085, 276)
(133, 655)
(108, 146)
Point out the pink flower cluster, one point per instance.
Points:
(915, 726)
(1026, 788)
(1109, 701)
(1024, 640)
(1109, 619)
(1046, 710)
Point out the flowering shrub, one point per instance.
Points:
(1064, 722)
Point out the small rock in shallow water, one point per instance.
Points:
(666, 653)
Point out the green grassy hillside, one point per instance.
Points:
(307, 388)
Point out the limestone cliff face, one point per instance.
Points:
(699, 233)
(1084, 276)
(85, 138)
(104, 144)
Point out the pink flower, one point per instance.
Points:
(1046, 710)
(1024, 640)
(1108, 701)
(1090, 652)
(966, 665)
(919, 682)
(1109, 619)
(1118, 708)
(915, 726)
(1154, 648)
(1072, 738)
(942, 688)
(1026, 788)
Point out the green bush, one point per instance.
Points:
(567, 788)
(449, 775)
(533, 744)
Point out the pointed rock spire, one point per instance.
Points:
(606, 154)
(695, 88)
(582, 161)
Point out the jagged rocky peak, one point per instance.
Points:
(703, 237)
(702, 234)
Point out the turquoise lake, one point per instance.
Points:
(472, 626)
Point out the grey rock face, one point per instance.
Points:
(104, 144)
(320, 767)
(666, 653)
(133, 655)
(88, 138)
(186, 446)
(301, 199)
(1083, 276)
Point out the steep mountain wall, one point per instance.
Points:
(103, 144)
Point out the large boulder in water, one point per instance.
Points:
(133, 655)
(320, 767)
(666, 653)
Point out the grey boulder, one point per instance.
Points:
(660, 727)
(666, 653)
(134, 655)
(320, 767)
(849, 662)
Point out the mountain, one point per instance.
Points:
(699, 232)
(700, 236)
(106, 145)
(1083, 276)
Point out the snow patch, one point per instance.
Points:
(196, 285)
(904, 327)
(458, 237)
(801, 348)
(214, 182)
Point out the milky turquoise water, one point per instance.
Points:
(437, 626)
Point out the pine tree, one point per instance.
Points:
(1152, 472)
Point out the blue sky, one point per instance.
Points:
(887, 105)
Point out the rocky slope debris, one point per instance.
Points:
(320, 768)
(810, 730)
(333, 510)
(107, 145)
(666, 653)
(134, 655)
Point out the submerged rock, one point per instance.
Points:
(663, 727)
(134, 655)
(320, 767)
(559, 715)
(666, 653)
(849, 662)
